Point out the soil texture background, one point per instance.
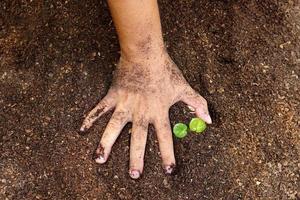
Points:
(56, 62)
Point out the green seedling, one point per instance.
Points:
(180, 130)
(197, 125)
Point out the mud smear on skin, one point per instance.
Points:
(99, 152)
(99, 110)
(142, 122)
(144, 46)
(139, 78)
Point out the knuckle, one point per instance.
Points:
(104, 102)
(121, 115)
(118, 118)
(190, 91)
(139, 148)
(113, 124)
(204, 102)
(140, 124)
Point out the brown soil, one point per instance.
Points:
(56, 62)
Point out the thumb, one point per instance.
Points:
(196, 101)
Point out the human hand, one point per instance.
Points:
(142, 92)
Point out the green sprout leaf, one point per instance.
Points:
(180, 130)
(197, 125)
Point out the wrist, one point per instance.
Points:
(145, 49)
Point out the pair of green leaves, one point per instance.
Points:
(196, 125)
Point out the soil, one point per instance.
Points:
(56, 63)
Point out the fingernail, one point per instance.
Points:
(209, 121)
(169, 169)
(192, 108)
(100, 160)
(83, 128)
(135, 174)
(208, 118)
(204, 115)
(98, 155)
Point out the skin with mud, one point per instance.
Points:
(145, 85)
(136, 89)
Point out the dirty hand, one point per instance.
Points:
(142, 93)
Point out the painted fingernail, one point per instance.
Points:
(209, 121)
(135, 174)
(83, 128)
(204, 115)
(100, 160)
(98, 155)
(192, 108)
(169, 169)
